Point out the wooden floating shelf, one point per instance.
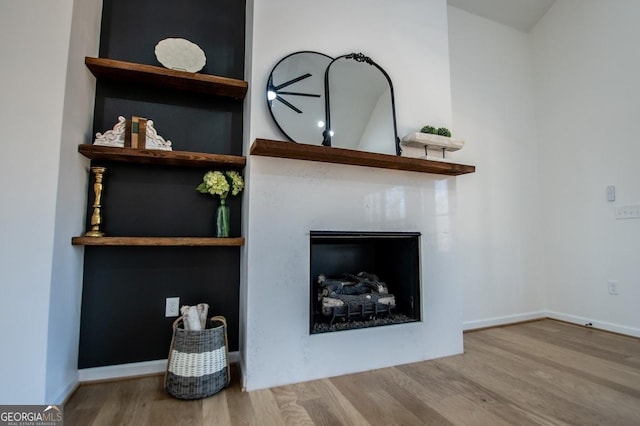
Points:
(325, 154)
(157, 241)
(152, 156)
(163, 77)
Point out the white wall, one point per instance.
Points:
(35, 41)
(43, 188)
(290, 198)
(408, 39)
(66, 279)
(246, 203)
(538, 112)
(587, 65)
(492, 97)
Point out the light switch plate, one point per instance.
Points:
(628, 212)
(611, 193)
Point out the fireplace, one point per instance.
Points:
(363, 279)
(276, 301)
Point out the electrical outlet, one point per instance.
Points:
(612, 286)
(172, 307)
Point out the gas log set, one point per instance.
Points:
(362, 296)
(341, 297)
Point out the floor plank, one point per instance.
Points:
(290, 406)
(460, 400)
(527, 386)
(604, 345)
(538, 373)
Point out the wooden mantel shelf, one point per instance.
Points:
(152, 156)
(272, 148)
(157, 241)
(207, 84)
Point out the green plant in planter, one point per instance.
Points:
(428, 129)
(442, 131)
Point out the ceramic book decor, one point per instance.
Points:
(127, 133)
(135, 133)
(180, 54)
(113, 137)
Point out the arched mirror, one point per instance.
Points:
(296, 96)
(360, 108)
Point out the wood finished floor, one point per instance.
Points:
(539, 373)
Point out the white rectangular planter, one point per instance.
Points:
(421, 140)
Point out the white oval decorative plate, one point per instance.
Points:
(180, 54)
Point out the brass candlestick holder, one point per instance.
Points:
(96, 217)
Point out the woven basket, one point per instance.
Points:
(198, 364)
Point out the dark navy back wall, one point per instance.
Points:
(124, 288)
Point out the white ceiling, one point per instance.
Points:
(519, 14)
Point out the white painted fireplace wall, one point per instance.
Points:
(285, 199)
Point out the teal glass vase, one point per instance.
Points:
(223, 221)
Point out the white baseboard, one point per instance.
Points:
(503, 320)
(160, 366)
(64, 393)
(601, 325)
(131, 370)
(529, 316)
(243, 377)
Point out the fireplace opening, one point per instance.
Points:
(363, 279)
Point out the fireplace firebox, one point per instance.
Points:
(363, 279)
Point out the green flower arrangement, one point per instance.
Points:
(221, 183)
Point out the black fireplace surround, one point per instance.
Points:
(387, 260)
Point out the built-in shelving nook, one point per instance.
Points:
(159, 231)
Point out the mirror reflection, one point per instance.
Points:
(360, 107)
(296, 96)
(346, 102)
